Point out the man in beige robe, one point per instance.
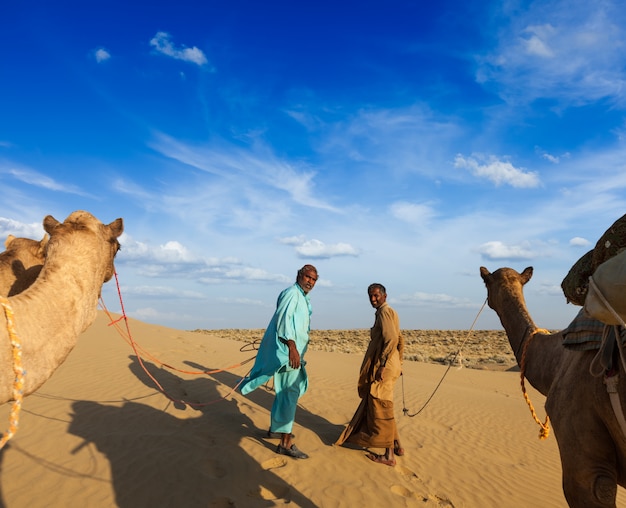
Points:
(374, 424)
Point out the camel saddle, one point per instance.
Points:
(576, 283)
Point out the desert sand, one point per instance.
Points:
(102, 432)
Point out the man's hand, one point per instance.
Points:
(294, 356)
(379, 373)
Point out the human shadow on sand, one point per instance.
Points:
(328, 432)
(158, 459)
(2, 505)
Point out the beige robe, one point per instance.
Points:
(373, 423)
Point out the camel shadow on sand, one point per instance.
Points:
(158, 459)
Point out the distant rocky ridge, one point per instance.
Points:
(478, 349)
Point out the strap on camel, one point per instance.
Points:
(602, 362)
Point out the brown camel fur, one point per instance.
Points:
(21, 263)
(591, 444)
(50, 315)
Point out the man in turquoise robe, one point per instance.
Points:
(281, 355)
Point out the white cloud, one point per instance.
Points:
(316, 249)
(420, 298)
(19, 229)
(498, 171)
(151, 314)
(162, 43)
(242, 301)
(101, 55)
(577, 241)
(243, 274)
(498, 250)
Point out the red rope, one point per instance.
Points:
(136, 348)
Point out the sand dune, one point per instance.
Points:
(100, 433)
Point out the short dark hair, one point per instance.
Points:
(307, 268)
(376, 285)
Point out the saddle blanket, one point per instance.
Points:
(584, 333)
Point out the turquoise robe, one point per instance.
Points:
(291, 321)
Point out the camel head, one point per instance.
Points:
(106, 236)
(27, 248)
(504, 282)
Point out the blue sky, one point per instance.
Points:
(401, 142)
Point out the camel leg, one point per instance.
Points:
(600, 492)
(589, 464)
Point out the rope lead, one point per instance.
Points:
(18, 383)
(544, 431)
(404, 409)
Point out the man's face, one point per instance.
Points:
(377, 298)
(307, 279)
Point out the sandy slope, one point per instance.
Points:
(100, 434)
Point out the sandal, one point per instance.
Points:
(380, 459)
(292, 451)
(397, 449)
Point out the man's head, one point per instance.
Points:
(307, 277)
(377, 294)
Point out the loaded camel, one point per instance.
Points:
(21, 263)
(51, 314)
(591, 444)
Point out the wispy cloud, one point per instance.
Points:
(245, 168)
(414, 213)
(419, 299)
(30, 177)
(571, 51)
(162, 292)
(162, 43)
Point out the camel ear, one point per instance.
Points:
(484, 273)
(9, 239)
(49, 223)
(116, 227)
(527, 274)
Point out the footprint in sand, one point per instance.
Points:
(399, 490)
(274, 463)
(407, 473)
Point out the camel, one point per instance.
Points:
(21, 263)
(591, 444)
(51, 314)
